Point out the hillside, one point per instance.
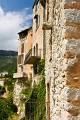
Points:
(8, 61)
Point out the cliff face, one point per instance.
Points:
(18, 98)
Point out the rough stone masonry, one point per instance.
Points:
(63, 60)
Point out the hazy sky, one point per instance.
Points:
(15, 15)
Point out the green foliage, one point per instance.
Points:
(36, 104)
(10, 84)
(7, 108)
(35, 97)
(8, 64)
(28, 90)
(41, 101)
(2, 90)
(27, 93)
(41, 66)
(8, 61)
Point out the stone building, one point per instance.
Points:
(56, 38)
(31, 49)
(38, 45)
(62, 67)
(24, 71)
(25, 44)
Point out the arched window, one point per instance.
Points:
(50, 46)
(47, 10)
(36, 49)
(22, 48)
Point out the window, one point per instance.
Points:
(30, 76)
(22, 48)
(21, 68)
(20, 59)
(47, 10)
(37, 21)
(35, 69)
(50, 46)
(36, 49)
(36, 8)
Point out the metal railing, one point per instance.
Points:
(28, 54)
(31, 53)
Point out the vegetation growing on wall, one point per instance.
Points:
(28, 90)
(41, 67)
(2, 90)
(7, 108)
(35, 97)
(35, 106)
(9, 83)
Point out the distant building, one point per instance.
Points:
(3, 77)
(24, 71)
(2, 82)
(25, 44)
(3, 74)
(37, 51)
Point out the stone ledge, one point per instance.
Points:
(75, 5)
(47, 26)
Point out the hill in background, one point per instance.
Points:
(8, 61)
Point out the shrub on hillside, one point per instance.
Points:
(2, 90)
(7, 108)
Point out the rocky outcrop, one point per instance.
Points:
(19, 99)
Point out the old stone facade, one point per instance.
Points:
(24, 71)
(63, 60)
(30, 51)
(56, 38)
(37, 42)
(37, 52)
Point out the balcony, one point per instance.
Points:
(19, 75)
(30, 58)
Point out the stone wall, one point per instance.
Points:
(18, 98)
(72, 57)
(63, 61)
(26, 41)
(37, 29)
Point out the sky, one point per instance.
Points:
(15, 15)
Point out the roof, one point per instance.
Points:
(25, 30)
